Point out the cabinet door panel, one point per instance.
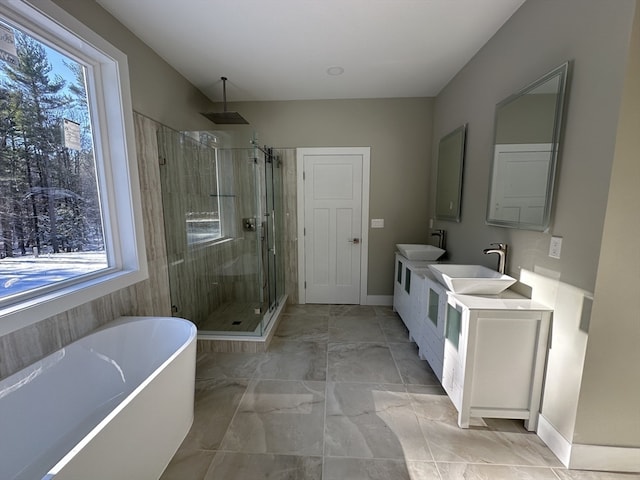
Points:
(504, 363)
(433, 309)
(453, 326)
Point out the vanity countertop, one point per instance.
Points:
(507, 300)
(419, 267)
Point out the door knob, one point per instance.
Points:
(355, 241)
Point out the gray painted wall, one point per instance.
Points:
(520, 52)
(398, 130)
(613, 356)
(538, 37)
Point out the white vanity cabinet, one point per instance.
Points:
(494, 356)
(401, 288)
(421, 301)
(431, 337)
(408, 291)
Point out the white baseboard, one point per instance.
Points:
(380, 300)
(559, 445)
(588, 457)
(602, 457)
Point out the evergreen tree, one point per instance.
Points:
(48, 193)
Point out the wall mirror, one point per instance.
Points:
(449, 176)
(528, 128)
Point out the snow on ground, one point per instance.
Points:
(22, 273)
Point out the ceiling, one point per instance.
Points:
(282, 49)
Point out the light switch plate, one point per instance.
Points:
(555, 246)
(377, 223)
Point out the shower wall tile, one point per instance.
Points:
(215, 282)
(150, 187)
(86, 318)
(148, 154)
(28, 345)
(158, 286)
(290, 224)
(205, 278)
(230, 346)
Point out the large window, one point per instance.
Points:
(50, 218)
(69, 200)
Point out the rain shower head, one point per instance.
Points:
(224, 117)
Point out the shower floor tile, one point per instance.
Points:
(232, 317)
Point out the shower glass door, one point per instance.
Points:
(224, 222)
(210, 204)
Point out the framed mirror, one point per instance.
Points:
(528, 127)
(449, 175)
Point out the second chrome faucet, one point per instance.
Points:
(442, 238)
(501, 250)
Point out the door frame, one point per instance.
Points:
(364, 241)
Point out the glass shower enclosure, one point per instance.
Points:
(223, 215)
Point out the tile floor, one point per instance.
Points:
(342, 395)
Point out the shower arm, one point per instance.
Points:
(224, 93)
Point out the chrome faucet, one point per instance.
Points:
(442, 237)
(501, 250)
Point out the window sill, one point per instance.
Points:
(28, 312)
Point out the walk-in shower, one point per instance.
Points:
(223, 214)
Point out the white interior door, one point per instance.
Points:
(333, 224)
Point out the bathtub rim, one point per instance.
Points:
(77, 448)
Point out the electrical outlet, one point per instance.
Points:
(555, 246)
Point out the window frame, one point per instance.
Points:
(109, 100)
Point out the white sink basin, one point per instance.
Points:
(471, 279)
(419, 252)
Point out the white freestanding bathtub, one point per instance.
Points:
(115, 404)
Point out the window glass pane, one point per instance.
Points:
(51, 225)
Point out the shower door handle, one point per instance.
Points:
(273, 231)
(355, 241)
